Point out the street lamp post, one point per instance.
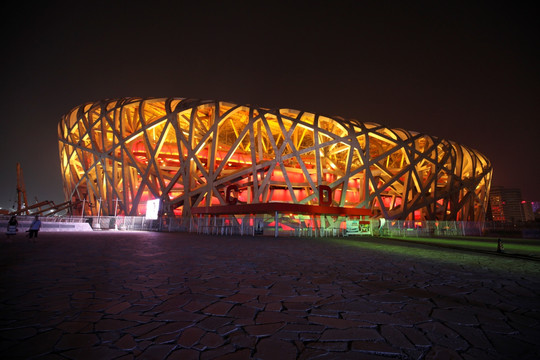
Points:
(116, 206)
(115, 212)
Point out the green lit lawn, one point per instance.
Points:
(445, 255)
(518, 246)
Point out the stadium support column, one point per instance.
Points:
(276, 225)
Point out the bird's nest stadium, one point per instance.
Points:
(215, 157)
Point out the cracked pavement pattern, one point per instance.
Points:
(145, 295)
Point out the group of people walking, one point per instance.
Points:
(13, 224)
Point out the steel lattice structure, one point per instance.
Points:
(117, 154)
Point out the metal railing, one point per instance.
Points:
(427, 228)
(288, 225)
(265, 225)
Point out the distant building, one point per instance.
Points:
(528, 212)
(506, 204)
(535, 206)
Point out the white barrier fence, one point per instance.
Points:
(287, 225)
(328, 226)
(48, 224)
(252, 225)
(403, 228)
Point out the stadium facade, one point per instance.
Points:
(200, 154)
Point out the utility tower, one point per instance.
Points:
(21, 191)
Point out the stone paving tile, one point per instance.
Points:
(274, 306)
(191, 336)
(218, 308)
(439, 352)
(275, 349)
(38, 345)
(130, 295)
(272, 317)
(350, 334)
(305, 328)
(240, 298)
(263, 329)
(75, 341)
(222, 352)
(473, 335)
(212, 323)
(92, 353)
(166, 328)
(415, 336)
(109, 336)
(339, 346)
(336, 323)
(179, 315)
(395, 337)
(18, 333)
(117, 308)
(457, 315)
(253, 291)
(378, 348)
(240, 339)
(157, 352)
(211, 340)
(184, 354)
(127, 342)
(440, 334)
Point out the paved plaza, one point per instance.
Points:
(144, 295)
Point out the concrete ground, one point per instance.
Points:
(125, 295)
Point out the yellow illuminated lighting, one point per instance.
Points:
(249, 144)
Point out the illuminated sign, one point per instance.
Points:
(353, 227)
(358, 227)
(152, 209)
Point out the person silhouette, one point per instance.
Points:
(12, 226)
(34, 228)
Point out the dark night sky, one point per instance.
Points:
(465, 71)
